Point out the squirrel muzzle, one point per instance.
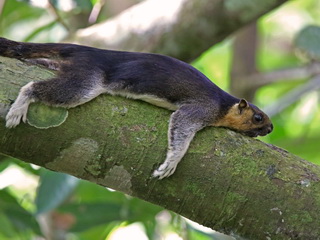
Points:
(262, 131)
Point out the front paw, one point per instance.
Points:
(15, 115)
(165, 170)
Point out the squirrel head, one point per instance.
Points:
(247, 119)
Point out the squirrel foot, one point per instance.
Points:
(165, 170)
(15, 115)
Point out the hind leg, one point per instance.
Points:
(64, 92)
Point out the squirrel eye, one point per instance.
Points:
(258, 118)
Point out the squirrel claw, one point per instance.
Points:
(165, 170)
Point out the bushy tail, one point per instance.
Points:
(20, 50)
(6, 47)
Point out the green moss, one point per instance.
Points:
(43, 117)
(94, 168)
(119, 110)
(219, 153)
(235, 197)
(303, 218)
(109, 159)
(194, 189)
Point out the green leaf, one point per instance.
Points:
(308, 40)
(83, 5)
(95, 205)
(4, 163)
(37, 31)
(8, 161)
(150, 227)
(15, 12)
(6, 229)
(17, 217)
(195, 233)
(90, 192)
(98, 232)
(54, 188)
(142, 211)
(90, 215)
(25, 166)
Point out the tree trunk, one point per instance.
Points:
(244, 62)
(182, 28)
(229, 182)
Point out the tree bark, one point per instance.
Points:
(229, 182)
(182, 28)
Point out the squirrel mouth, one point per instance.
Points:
(252, 134)
(258, 132)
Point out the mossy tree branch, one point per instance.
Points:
(226, 181)
(180, 28)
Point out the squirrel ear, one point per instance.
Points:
(242, 104)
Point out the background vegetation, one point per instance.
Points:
(36, 202)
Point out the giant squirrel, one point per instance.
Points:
(84, 72)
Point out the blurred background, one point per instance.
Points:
(274, 63)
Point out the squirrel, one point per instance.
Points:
(83, 73)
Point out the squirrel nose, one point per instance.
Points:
(270, 128)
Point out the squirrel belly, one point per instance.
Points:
(84, 73)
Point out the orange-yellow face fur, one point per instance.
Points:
(247, 119)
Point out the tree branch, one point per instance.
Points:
(258, 80)
(236, 182)
(55, 12)
(180, 28)
(293, 96)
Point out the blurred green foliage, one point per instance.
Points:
(283, 35)
(82, 210)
